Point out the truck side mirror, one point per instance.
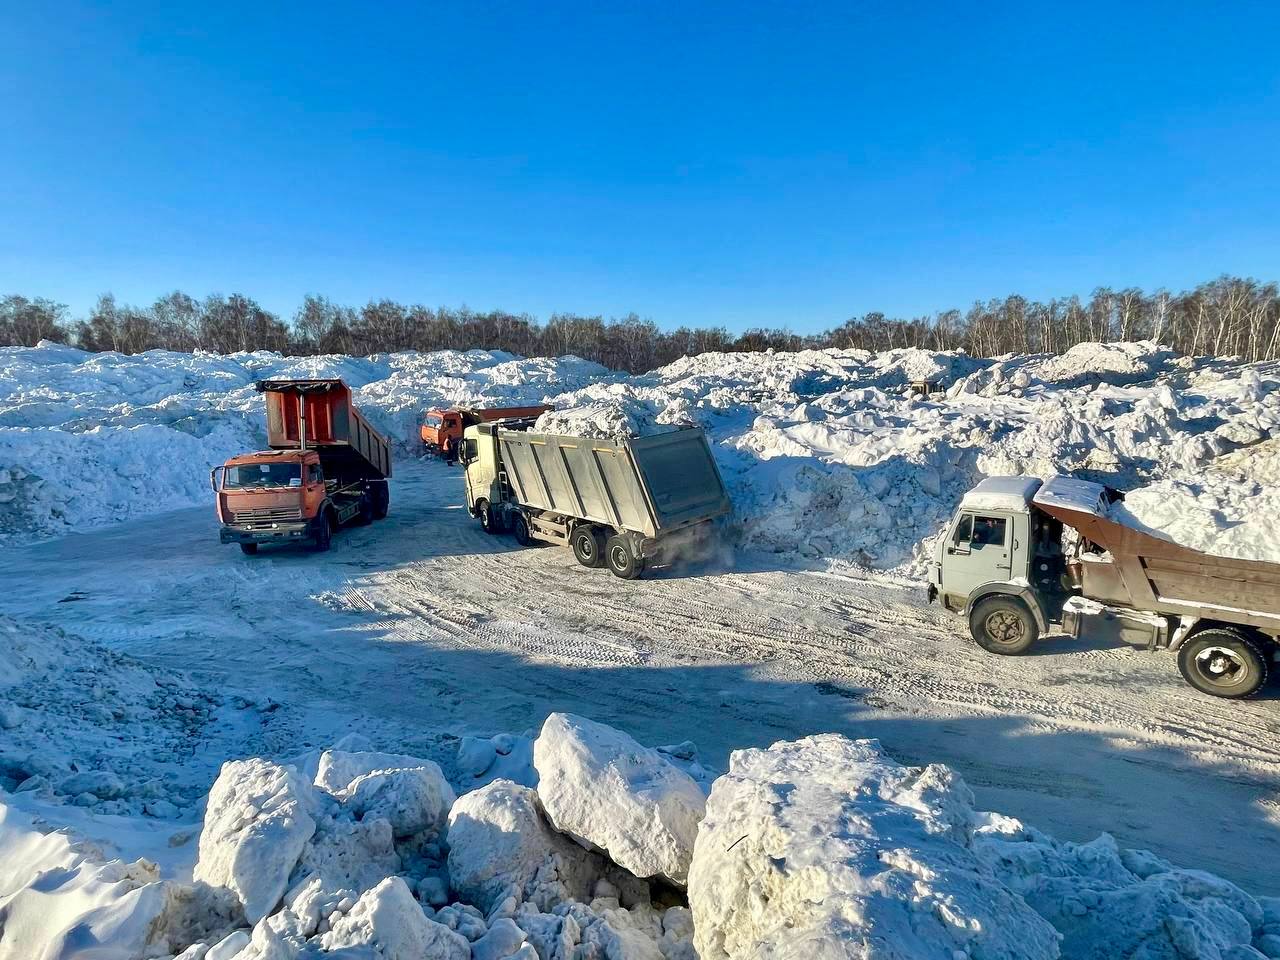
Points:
(214, 478)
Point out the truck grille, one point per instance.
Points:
(267, 513)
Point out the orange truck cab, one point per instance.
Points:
(326, 468)
(441, 430)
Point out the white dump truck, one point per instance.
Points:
(1021, 557)
(623, 505)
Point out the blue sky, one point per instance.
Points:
(736, 164)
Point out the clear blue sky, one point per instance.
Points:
(697, 163)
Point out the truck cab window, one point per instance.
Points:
(314, 474)
(468, 451)
(989, 531)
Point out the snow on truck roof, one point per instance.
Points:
(1001, 493)
(1072, 494)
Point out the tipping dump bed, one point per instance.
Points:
(1149, 573)
(650, 485)
(334, 427)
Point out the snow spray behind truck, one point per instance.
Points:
(620, 505)
(326, 467)
(1005, 564)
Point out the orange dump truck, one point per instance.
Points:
(326, 468)
(442, 429)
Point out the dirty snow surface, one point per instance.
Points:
(429, 742)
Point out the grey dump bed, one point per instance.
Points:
(649, 485)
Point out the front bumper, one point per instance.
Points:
(274, 532)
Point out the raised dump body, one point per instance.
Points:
(1134, 569)
(326, 468)
(615, 503)
(1005, 564)
(319, 415)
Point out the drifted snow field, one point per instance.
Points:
(431, 743)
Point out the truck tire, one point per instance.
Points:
(490, 522)
(588, 545)
(621, 561)
(250, 549)
(520, 530)
(366, 514)
(1003, 625)
(324, 533)
(381, 498)
(1223, 663)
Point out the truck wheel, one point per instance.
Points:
(617, 553)
(324, 534)
(1003, 625)
(588, 545)
(381, 498)
(1223, 663)
(520, 530)
(366, 514)
(489, 520)
(249, 548)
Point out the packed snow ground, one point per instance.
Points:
(139, 657)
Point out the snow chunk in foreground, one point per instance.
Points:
(259, 819)
(825, 847)
(388, 919)
(500, 845)
(609, 793)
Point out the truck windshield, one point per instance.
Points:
(432, 419)
(263, 475)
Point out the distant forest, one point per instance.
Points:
(1229, 316)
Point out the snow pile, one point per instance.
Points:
(823, 847)
(825, 453)
(1217, 514)
(1110, 902)
(87, 439)
(82, 724)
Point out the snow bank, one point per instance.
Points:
(88, 439)
(609, 793)
(824, 847)
(827, 848)
(824, 452)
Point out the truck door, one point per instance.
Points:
(978, 551)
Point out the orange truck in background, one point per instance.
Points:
(326, 468)
(442, 429)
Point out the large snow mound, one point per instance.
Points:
(825, 453)
(827, 848)
(823, 847)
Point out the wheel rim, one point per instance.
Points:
(1004, 627)
(618, 557)
(587, 547)
(1221, 666)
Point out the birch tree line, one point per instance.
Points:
(1229, 316)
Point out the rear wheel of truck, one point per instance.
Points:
(621, 561)
(1224, 663)
(1003, 625)
(381, 498)
(249, 548)
(366, 514)
(520, 530)
(324, 533)
(489, 521)
(588, 545)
